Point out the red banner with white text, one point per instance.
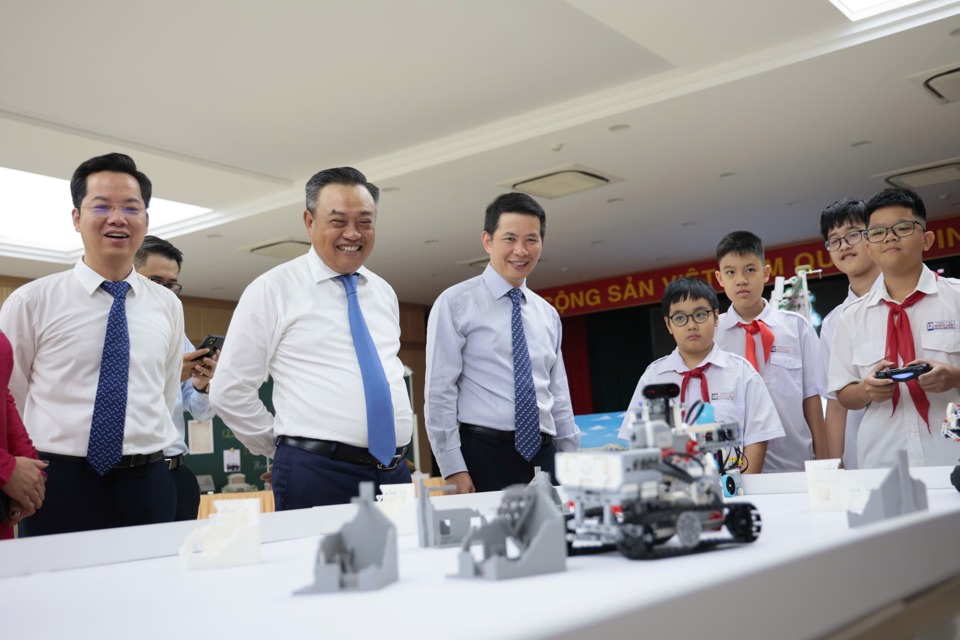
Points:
(647, 287)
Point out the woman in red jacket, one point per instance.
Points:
(21, 476)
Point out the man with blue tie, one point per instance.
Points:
(327, 330)
(97, 364)
(497, 401)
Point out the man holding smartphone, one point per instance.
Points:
(97, 358)
(160, 262)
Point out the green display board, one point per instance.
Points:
(251, 466)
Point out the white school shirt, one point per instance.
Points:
(827, 330)
(737, 393)
(192, 401)
(860, 343)
(470, 366)
(792, 374)
(291, 323)
(57, 325)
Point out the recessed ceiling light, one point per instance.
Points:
(860, 143)
(689, 223)
(620, 127)
(727, 174)
(389, 189)
(955, 33)
(431, 241)
(562, 181)
(944, 196)
(564, 269)
(213, 236)
(613, 200)
(599, 242)
(286, 249)
(794, 203)
(856, 10)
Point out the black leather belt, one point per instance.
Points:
(175, 462)
(126, 462)
(341, 451)
(500, 434)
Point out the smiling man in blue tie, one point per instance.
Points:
(497, 402)
(97, 364)
(327, 330)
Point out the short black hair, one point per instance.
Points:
(897, 198)
(741, 243)
(843, 211)
(513, 203)
(115, 162)
(154, 245)
(687, 288)
(338, 175)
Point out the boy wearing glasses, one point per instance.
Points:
(912, 316)
(782, 347)
(705, 372)
(842, 225)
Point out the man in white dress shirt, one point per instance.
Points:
(97, 364)
(298, 324)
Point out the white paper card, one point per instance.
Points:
(200, 436)
(231, 460)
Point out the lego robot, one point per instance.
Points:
(665, 486)
(793, 294)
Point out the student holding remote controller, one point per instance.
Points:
(160, 262)
(912, 318)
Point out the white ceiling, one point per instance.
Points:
(233, 104)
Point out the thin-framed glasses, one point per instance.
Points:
(699, 316)
(852, 238)
(175, 287)
(901, 230)
(104, 209)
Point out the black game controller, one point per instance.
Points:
(906, 373)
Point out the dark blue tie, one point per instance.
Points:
(110, 407)
(381, 435)
(526, 413)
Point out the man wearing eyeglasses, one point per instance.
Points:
(912, 316)
(160, 262)
(842, 225)
(97, 353)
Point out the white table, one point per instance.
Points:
(807, 575)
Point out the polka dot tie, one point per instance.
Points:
(526, 413)
(110, 407)
(381, 433)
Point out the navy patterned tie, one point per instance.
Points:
(381, 434)
(110, 407)
(526, 413)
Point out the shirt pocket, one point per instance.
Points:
(727, 408)
(785, 375)
(943, 345)
(867, 354)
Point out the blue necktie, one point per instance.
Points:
(381, 435)
(526, 413)
(110, 407)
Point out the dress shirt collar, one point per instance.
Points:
(498, 286)
(768, 315)
(926, 284)
(319, 271)
(674, 362)
(90, 280)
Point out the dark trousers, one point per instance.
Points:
(303, 479)
(188, 493)
(494, 464)
(77, 499)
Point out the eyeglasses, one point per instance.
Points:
(106, 209)
(175, 287)
(852, 238)
(699, 316)
(901, 230)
